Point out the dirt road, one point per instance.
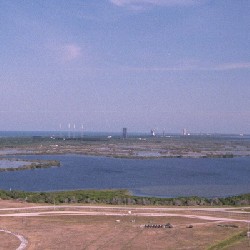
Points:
(229, 213)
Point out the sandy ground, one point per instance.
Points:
(107, 227)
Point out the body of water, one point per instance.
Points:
(12, 163)
(159, 177)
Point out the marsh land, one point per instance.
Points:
(134, 147)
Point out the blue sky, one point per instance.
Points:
(140, 64)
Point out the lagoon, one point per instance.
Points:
(168, 177)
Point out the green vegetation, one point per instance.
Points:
(229, 241)
(119, 197)
(33, 165)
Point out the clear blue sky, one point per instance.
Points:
(140, 64)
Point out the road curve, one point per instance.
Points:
(22, 239)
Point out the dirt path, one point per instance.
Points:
(22, 239)
(211, 209)
(123, 211)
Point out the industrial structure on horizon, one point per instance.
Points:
(124, 133)
(152, 132)
(185, 132)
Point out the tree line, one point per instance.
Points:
(119, 197)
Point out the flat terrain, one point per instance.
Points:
(107, 227)
(149, 147)
(28, 226)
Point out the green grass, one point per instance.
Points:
(229, 241)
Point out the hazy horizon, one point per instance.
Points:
(80, 133)
(104, 65)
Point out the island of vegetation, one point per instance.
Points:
(20, 164)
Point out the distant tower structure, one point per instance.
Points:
(69, 130)
(60, 132)
(152, 132)
(74, 132)
(82, 131)
(124, 133)
(184, 131)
